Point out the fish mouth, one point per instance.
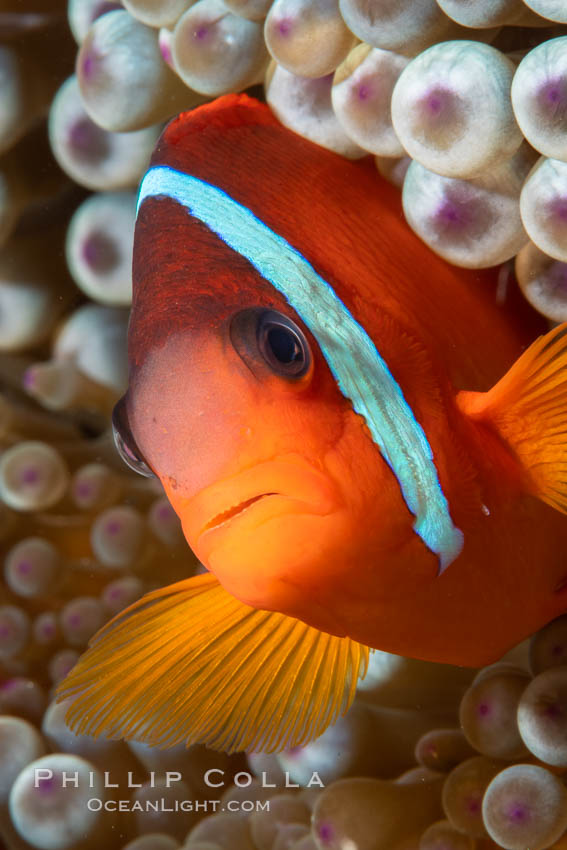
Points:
(263, 491)
(236, 510)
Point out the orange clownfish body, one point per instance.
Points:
(359, 447)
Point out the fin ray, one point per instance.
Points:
(528, 408)
(191, 663)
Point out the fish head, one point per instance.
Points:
(275, 478)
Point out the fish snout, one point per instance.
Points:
(251, 528)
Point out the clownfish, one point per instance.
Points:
(361, 447)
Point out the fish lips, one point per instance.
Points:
(261, 492)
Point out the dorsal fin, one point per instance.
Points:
(191, 663)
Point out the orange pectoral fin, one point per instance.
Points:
(528, 408)
(191, 663)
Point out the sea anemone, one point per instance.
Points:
(465, 108)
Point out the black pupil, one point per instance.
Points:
(284, 345)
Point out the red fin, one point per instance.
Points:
(191, 663)
(528, 409)
(230, 110)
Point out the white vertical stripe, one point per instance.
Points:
(361, 373)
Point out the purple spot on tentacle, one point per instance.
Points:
(74, 620)
(449, 212)
(99, 252)
(29, 379)
(554, 711)
(558, 209)
(113, 527)
(87, 141)
(47, 786)
(437, 102)
(202, 32)
(552, 97)
(559, 649)
(165, 512)
(66, 668)
(518, 813)
(87, 65)
(83, 489)
(483, 709)
(284, 26)
(325, 832)
(24, 567)
(5, 630)
(434, 103)
(473, 805)
(30, 475)
(452, 215)
(164, 42)
(364, 91)
(90, 62)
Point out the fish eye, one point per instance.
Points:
(125, 443)
(283, 345)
